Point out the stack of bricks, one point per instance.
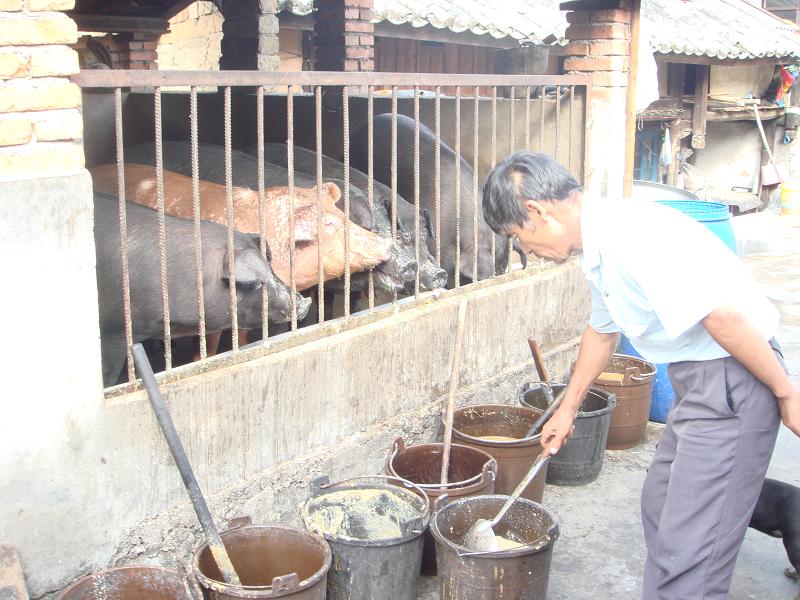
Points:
(250, 35)
(40, 118)
(599, 44)
(344, 36)
(135, 50)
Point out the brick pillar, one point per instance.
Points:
(40, 118)
(135, 51)
(250, 35)
(344, 35)
(599, 46)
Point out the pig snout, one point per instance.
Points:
(399, 269)
(431, 276)
(303, 304)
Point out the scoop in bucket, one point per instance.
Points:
(481, 536)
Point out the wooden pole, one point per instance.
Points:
(630, 108)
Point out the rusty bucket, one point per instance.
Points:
(374, 526)
(633, 388)
(514, 457)
(520, 573)
(132, 583)
(272, 561)
(471, 472)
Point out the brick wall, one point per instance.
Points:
(250, 35)
(193, 40)
(599, 45)
(40, 120)
(344, 35)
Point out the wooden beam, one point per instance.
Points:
(116, 24)
(699, 113)
(589, 4)
(630, 103)
(691, 59)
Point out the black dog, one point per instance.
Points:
(777, 513)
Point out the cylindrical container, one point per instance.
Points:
(663, 394)
(471, 473)
(272, 561)
(580, 460)
(374, 526)
(633, 392)
(130, 583)
(714, 215)
(790, 197)
(517, 574)
(515, 454)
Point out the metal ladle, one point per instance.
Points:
(481, 537)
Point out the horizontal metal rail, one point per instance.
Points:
(123, 78)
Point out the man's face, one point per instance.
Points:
(543, 234)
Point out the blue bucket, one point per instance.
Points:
(717, 219)
(714, 215)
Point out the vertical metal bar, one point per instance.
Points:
(570, 148)
(558, 123)
(527, 117)
(511, 141)
(320, 253)
(475, 123)
(416, 187)
(346, 191)
(542, 99)
(457, 270)
(437, 173)
(229, 214)
(394, 173)
(162, 231)
(198, 241)
(370, 174)
(262, 211)
(494, 156)
(290, 168)
(123, 232)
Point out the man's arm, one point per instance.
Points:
(736, 334)
(595, 352)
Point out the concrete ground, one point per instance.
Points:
(601, 547)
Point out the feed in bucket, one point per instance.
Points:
(362, 514)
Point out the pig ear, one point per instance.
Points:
(257, 240)
(428, 224)
(250, 268)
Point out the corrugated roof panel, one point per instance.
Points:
(715, 28)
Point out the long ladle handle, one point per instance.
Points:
(451, 395)
(537, 360)
(548, 412)
(543, 457)
(218, 551)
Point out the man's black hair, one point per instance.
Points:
(520, 176)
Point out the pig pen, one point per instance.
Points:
(261, 421)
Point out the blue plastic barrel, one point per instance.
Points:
(717, 219)
(713, 215)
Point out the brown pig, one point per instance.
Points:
(366, 248)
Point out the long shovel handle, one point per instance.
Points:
(451, 396)
(537, 465)
(184, 467)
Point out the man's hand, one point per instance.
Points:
(790, 410)
(558, 429)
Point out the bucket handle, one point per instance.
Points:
(190, 585)
(285, 583)
(635, 374)
(536, 545)
(397, 446)
(489, 470)
(439, 503)
(316, 485)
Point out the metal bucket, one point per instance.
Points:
(517, 574)
(272, 561)
(132, 583)
(514, 458)
(634, 393)
(374, 526)
(471, 472)
(581, 459)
